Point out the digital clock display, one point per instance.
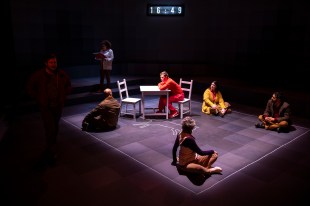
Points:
(165, 10)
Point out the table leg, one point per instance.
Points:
(142, 99)
(167, 109)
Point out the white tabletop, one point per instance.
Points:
(149, 88)
(152, 89)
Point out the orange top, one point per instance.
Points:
(171, 85)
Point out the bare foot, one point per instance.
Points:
(215, 170)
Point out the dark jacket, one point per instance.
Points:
(104, 115)
(284, 111)
(37, 86)
(189, 143)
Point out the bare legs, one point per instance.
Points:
(203, 164)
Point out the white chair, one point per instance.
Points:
(185, 106)
(125, 100)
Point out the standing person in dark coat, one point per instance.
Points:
(49, 87)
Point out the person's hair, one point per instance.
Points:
(188, 124)
(279, 95)
(106, 43)
(218, 86)
(49, 56)
(164, 73)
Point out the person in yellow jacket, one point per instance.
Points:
(213, 102)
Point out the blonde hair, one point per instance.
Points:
(188, 124)
(164, 73)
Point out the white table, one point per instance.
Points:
(153, 90)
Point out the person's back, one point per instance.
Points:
(109, 111)
(104, 116)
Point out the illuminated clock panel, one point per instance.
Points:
(165, 10)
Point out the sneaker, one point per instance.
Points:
(259, 125)
(85, 126)
(214, 111)
(221, 114)
(173, 114)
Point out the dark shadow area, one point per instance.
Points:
(43, 163)
(291, 128)
(99, 130)
(195, 178)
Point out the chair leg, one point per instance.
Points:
(140, 108)
(181, 111)
(120, 112)
(134, 111)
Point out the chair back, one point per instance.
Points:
(122, 88)
(186, 87)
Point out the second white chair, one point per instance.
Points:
(185, 106)
(125, 100)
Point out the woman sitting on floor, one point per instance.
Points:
(191, 157)
(213, 102)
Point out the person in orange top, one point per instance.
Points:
(176, 94)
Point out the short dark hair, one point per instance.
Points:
(49, 56)
(106, 43)
(164, 73)
(217, 84)
(279, 95)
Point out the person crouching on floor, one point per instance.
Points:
(104, 116)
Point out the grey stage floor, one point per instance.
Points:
(239, 144)
(131, 165)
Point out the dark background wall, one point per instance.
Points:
(256, 39)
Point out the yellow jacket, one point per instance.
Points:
(209, 100)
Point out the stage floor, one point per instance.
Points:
(131, 164)
(149, 142)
